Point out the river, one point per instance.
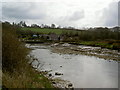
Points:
(81, 70)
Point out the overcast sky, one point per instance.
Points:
(77, 13)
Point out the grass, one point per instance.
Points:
(46, 31)
(29, 78)
(103, 44)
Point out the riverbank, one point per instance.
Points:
(109, 44)
(104, 53)
(16, 71)
(27, 78)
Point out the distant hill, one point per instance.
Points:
(49, 30)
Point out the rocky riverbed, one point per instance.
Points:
(86, 50)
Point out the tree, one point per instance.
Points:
(59, 27)
(42, 25)
(35, 25)
(53, 26)
(22, 24)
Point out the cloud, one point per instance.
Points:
(22, 11)
(77, 16)
(119, 13)
(110, 14)
(77, 13)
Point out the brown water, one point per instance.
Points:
(82, 71)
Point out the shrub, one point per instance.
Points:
(13, 51)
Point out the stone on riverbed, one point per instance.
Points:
(56, 73)
(56, 44)
(65, 44)
(50, 75)
(70, 85)
(53, 82)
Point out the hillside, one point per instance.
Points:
(48, 30)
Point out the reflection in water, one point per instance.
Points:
(83, 71)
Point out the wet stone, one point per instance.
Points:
(50, 75)
(53, 82)
(70, 85)
(58, 73)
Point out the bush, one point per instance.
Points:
(13, 51)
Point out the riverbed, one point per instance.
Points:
(82, 71)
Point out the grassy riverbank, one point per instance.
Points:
(103, 44)
(16, 72)
(28, 78)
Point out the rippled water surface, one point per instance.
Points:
(83, 71)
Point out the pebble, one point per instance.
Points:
(50, 75)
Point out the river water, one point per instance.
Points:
(81, 70)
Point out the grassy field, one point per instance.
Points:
(46, 31)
